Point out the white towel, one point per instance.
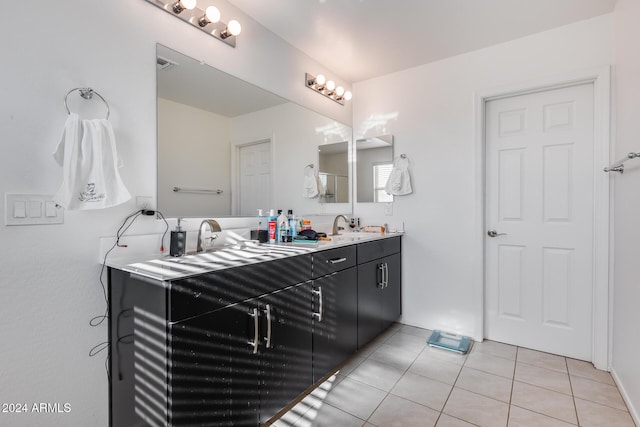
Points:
(310, 183)
(87, 154)
(399, 182)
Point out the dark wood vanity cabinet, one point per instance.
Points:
(335, 327)
(379, 287)
(235, 346)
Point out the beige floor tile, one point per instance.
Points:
(422, 390)
(449, 421)
(369, 348)
(587, 370)
(491, 364)
(398, 412)
(377, 374)
(493, 386)
(495, 348)
(519, 417)
(547, 402)
(598, 392)
(441, 354)
(351, 364)
(541, 359)
(328, 416)
(395, 357)
(436, 369)
(419, 332)
(355, 398)
(542, 377)
(292, 416)
(408, 342)
(476, 409)
(593, 414)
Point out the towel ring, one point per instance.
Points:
(86, 93)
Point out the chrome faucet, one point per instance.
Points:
(213, 225)
(334, 232)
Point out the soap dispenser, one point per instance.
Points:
(178, 241)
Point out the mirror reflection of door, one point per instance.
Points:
(254, 177)
(334, 172)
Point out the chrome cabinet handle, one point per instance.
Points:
(337, 260)
(381, 282)
(320, 308)
(386, 274)
(494, 233)
(268, 337)
(254, 343)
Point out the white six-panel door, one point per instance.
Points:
(254, 178)
(540, 203)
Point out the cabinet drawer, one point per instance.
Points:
(369, 251)
(331, 260)
(211, 291)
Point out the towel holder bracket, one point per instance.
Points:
(86, 93)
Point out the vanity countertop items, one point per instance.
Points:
(166, 267)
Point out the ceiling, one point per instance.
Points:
(362, 39)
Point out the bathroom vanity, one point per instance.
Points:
(230, 338)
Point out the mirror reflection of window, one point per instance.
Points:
(381, 173)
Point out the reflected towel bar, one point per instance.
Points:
(619, 166)
(196, 190)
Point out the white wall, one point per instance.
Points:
(49, 285)
(193, 152)
(431, 115)
(626, 346)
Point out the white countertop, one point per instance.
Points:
(165, 268)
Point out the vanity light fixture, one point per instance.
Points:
(207, 20)
(328, 88)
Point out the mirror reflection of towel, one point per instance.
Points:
(310, 183)
(399, 182)
(90, 177)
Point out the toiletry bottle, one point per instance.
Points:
(283, 226)
(178, 242)
(272, 226)
(292, 224)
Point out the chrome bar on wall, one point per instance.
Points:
(619, 166)
(196, 190)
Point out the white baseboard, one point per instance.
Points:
(627, 400)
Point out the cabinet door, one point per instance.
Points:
(286, 347)
(335, 326)
(369, 301)
(214, 373)
(391, 293)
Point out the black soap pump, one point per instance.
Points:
(178, 241)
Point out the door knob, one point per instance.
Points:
(494, 233)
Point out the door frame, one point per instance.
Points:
(235, 169)
(603, 206)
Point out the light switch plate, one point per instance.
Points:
(31, 209)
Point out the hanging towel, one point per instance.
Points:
(87, 154)
(310, 183)
(399, 182)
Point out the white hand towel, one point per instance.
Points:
(399, 182)
(310, 183)
(87, 154)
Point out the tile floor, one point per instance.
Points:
(398, 380)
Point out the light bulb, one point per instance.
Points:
(234, 27)
(348, 95)
(340, 91)
(320, 79)
(213, 14)
(188, 4)
(181, 5)
(331, 85)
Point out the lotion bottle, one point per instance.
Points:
(178, 242)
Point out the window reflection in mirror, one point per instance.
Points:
(333, 171)
(374, 161)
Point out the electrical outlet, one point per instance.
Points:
(144, 202)
(388, 209)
